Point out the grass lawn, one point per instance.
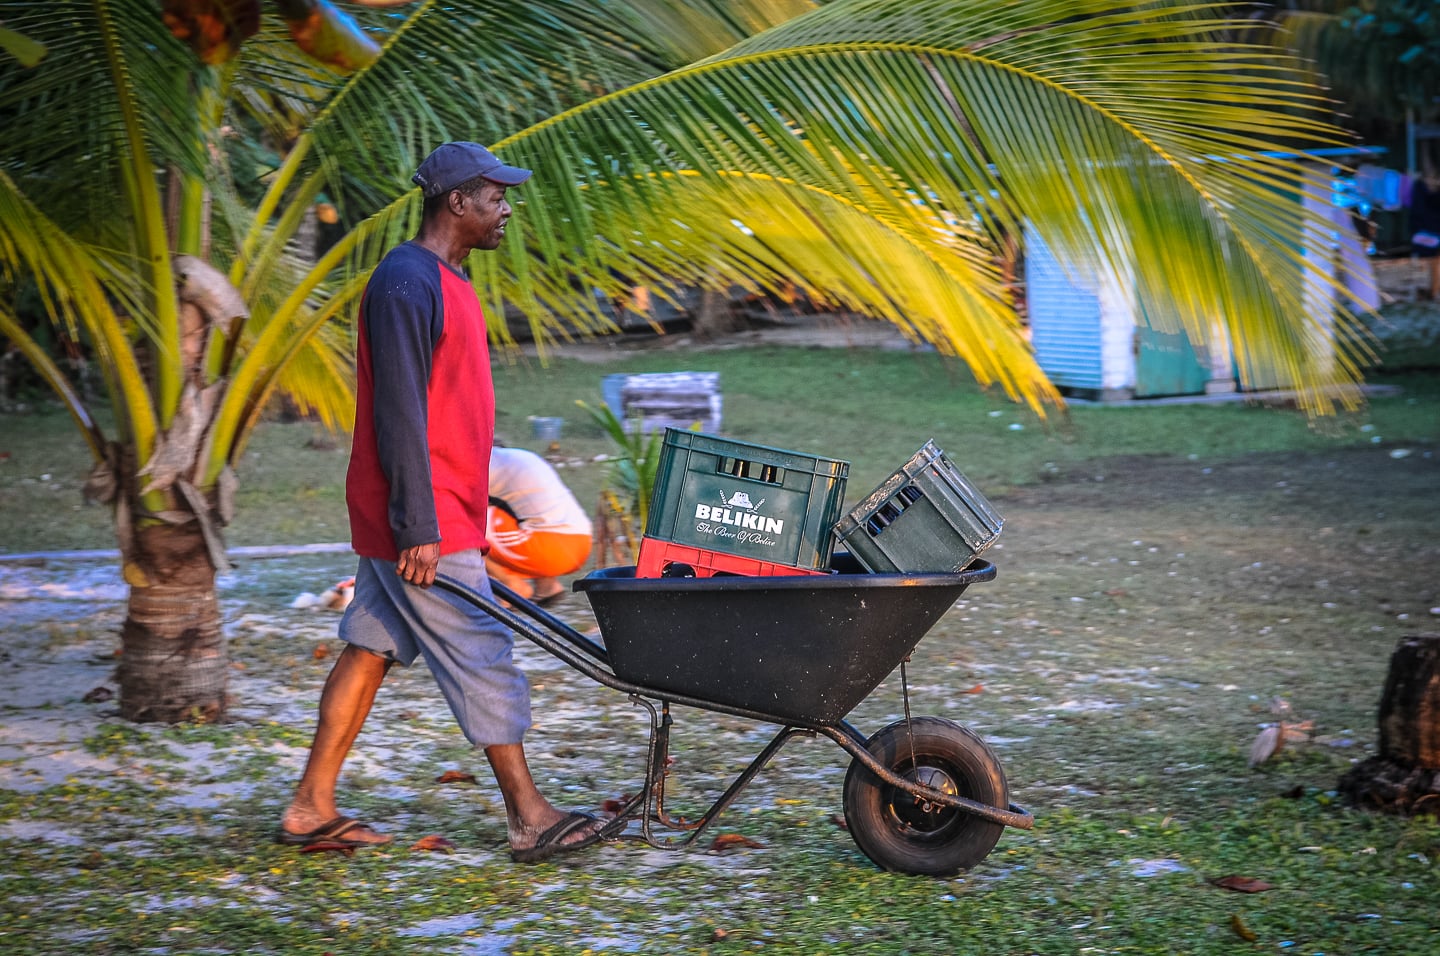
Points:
(871, 408)
(1167, 576)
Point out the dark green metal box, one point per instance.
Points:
(751, 500)
(926, 517)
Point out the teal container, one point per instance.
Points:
(750, 500)
(926, 517)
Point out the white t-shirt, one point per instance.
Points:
(532, 489)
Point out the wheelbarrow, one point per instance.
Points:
(923, 795)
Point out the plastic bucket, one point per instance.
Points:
(547, 429)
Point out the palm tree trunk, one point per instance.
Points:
(173, 664)
(1405, 776)
(714, 317)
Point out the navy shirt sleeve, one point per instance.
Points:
(404, 318)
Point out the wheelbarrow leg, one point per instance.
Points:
(657, 761)
(756, 765)
(653, 798)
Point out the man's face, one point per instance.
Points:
(486, 214)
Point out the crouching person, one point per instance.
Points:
(537, 529)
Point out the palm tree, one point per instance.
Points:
(874, 154)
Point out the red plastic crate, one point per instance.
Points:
(657, 555)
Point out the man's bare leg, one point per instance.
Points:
(527, 811)
(547, 587)
(344, 704)
(513, 580)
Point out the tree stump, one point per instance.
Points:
(1405, 776)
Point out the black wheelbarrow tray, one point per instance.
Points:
(923, 795)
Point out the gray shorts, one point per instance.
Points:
(470, 653)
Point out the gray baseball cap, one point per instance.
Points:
(454, 163)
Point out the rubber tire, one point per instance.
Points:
(941, 843)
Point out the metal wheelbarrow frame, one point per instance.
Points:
(923, 795)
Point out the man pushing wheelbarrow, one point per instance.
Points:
(417, 494)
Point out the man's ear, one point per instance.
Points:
(455, 202)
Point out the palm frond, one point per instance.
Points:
(878, 155)
(673, 33)
(118, 100)
(71, 282)
(480, 72)
(278, 336)
(931, 279)
(315, 374)
(70, 152)
(1133, 136)
(51, 374)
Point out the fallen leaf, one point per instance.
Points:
(408, 714)
(1242, 884)
(98, 695)
(455, 776)
(977, 689)
(1294, 793)
(729, 841)
(1116, 592)
(434, 842)
(321, 652)
(1297, 733)
(719, 934)
(1266, 745)
(328, 846)
(615, 806)
(1241, 930)
(840, 821)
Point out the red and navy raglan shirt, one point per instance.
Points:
(424, 410)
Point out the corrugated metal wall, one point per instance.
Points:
(1065, 320)
(1087, 336)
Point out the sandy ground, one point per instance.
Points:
(1146, 612)
(1276, 531)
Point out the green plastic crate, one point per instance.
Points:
(769, 504)
(926, 517)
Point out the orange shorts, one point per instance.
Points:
(533, 554)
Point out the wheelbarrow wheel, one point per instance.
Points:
(907, 835)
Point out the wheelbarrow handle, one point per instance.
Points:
(583, 654)
(542, 627)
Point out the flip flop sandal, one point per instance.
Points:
(332, 831)
(551, 842)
